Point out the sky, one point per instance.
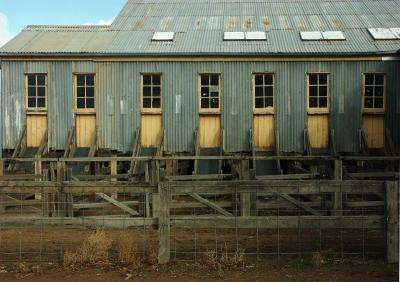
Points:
(15, 15)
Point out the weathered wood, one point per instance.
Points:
(118, 204)
(374, 174)
(245, 204)
(78, 206)
(209, 204)
(1, 168)
(156, 205)
(299, 204)
(38, 175)
(297, 176)
(164, 225)
(199, 177)
(392, 222)
(114, 171)
(338, 196)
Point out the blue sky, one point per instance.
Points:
(17, 14)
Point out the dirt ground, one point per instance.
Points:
(348, 271)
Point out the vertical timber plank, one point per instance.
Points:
(164, 251)
(38, 176)
(114, 171)
(392, 222)
(245, 198)
(2, 207)
(338, 196)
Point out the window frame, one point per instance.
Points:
(269, 111)
(209, 110)
(151, 110)
(374, 110)
(84, 110)
(318, 110)
(37, 110)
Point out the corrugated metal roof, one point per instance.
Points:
(200, 24)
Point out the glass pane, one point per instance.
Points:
(323, 91)
(41, 102)
(90, 92)
(379, 91)
(147, 103)
(80, 92)
(268, 79)
(147, 91)
(313, 79)
(259, 91)
(378, 103)
(204, 92)
(368, 103)
(323, 79)
(156, 104)
(205, 80)
(31, 102)
(214, 94)
(369, 79)
(41, 91)
(379, 78)
(80, 80)
(41, 80)
(369, 91)
(156, 79)
(146, 79)
(214, 80)
(205, 103)
(215, 103)
(269, 102)
(80, 103)
(323, 102)
(313, 91)
(156, 91)
(269, 91)
(90, 80)
(258, 79)
(90, 103)
(313, 102)
(32, 91)
(259, 103)
(31, 79)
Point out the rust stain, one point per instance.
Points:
(337, 23)
(138, 25)
(231, 24)
(302, 25)
(248, 23)
(266, 22)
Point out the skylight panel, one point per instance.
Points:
(396, 32)
(333, 35)
(163, 36)
(311, 35)
(255, 35)
(382, 33)
(233, 35)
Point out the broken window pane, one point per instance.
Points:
(269, 102)
(205, 103)
(215, 103)
(214, 80)
(147, 103)
(204, 92)
(214, 94)
(313, 102)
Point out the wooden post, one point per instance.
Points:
(38, 176)
(164, 251)
(114, 171)
(1, 168)
(338, 196)
(245, 198)
(61, 197)
(392, 222)
(2, 207)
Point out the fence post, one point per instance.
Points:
(1, 168)
(38, 176)
(164, 251)
(245, 198)
(2, 207)
(114, 171)
(392, 221)
(338, 196)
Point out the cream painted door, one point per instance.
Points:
(374, 130)
(85, 130)
(264, 132)
(151, 130)
(318, 130)
(36, 126)
(210, 131)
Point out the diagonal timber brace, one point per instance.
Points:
(118, 204)
(299, 204)
(209, 204)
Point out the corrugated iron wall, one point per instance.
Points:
(118, 100)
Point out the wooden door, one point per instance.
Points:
(36, 127)
(374, 130)
(151, 130)
(85, 130)
(210, 131)
(264, 132)
(318, 131)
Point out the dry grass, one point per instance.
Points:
(127, 252)
(318, 259)
(224, 259)
(94, 251)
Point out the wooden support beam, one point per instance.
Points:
(210, 204)
(199, 177)
(392, 222)
(79, 206)
(164, 225)
(297, 176)
(1, 168)
(38, 175)
(118, 204)
(374, 174)
(338, 196)
(299, 204)
(114, 171)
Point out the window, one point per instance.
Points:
(85, 91)
(374, 90)
(151, 92)
(36, 91)
(263, 92)
(318, 92)
(209, 92)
